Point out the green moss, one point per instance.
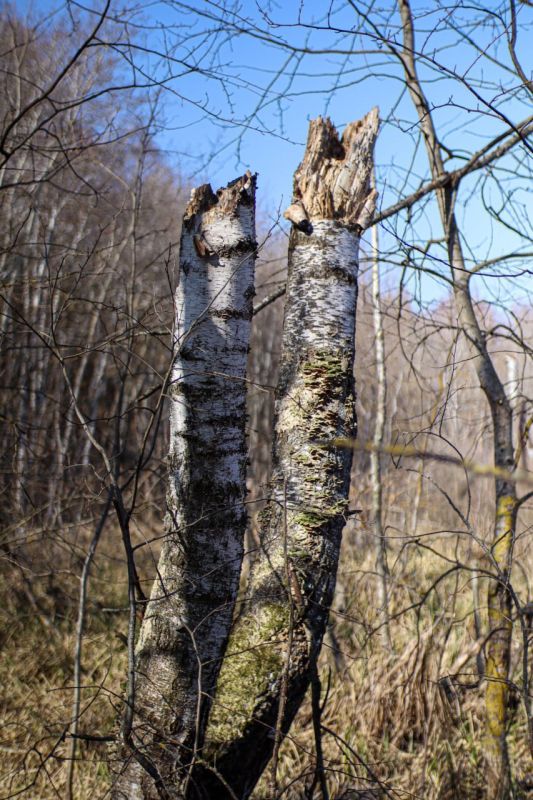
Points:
(311, 519)
(253, 661)
(324, 364)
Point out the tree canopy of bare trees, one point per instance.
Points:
(229, 570)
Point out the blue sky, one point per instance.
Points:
(250, 103)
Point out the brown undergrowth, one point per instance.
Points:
(38, 621)
(406, 723)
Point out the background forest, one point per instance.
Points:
(94, 179)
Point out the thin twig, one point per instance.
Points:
(80, 627)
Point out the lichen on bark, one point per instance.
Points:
(249, 670)
(498, 648)
(301, 528)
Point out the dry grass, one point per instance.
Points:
(36, 681)
(410, 720)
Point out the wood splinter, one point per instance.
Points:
(297, 214)
(202, 248)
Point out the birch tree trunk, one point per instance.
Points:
(382, 568)
(277, 637)
(498, 650)
(188, 618)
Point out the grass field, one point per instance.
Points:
(407, 722)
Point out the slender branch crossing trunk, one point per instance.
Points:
(261, 685)
(188, 618)
(499, 598)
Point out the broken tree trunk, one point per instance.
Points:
(277, 637)
(188, 618)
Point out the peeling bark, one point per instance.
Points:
(188, 618)
(294, 578)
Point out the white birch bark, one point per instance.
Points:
(269, 665)
(188, 618)
(375, 455)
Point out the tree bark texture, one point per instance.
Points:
(499, 597)
(188, 618)
(499, 600)
(382, 568)
(278, 634)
